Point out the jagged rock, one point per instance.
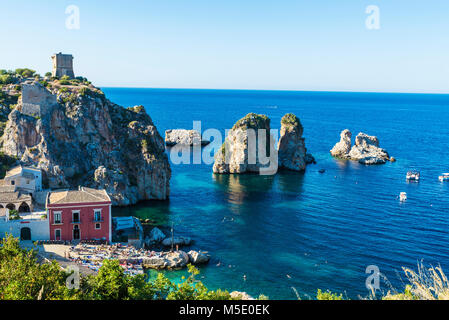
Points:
(156, 236)
(184, 137)
(366, 149)
(167, 260)
(198, 257)
(310, 159)
(78, 137)
(240, 153)
(180, 241)
(241, 295)
(343, 147)
(291, 147)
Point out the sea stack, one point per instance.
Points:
(240, 153)
(343, 147)
(366, 149)
(291, 146)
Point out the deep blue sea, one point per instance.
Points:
(308, 230)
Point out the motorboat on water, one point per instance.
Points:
(413, 176)
(444, 177)
(403, 196)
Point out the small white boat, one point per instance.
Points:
(413, 176)
(403, 196)
(444, 177)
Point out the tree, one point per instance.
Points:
(25, 72)
(23, 278)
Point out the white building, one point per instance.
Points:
(32, 226)
(21, 178)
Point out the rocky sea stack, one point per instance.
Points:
(366, 149)
(291, 147)
(236, 154)
(78, 137)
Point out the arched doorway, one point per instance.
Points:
(1, 206)
(11, 206)
(24, 207)
(25, 234)
(76, 232)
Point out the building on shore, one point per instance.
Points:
(83, 214)
(31, 226)
(62, 65)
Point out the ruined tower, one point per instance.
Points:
(62, 65)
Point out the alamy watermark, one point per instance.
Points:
(73, 280)
(372, 22)
(73, 21)
(372, 282)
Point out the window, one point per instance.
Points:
(97, 215)
(58, 234)
(97, 226)
(13, 182)
(57, 218)
(75, 216)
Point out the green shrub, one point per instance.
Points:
(25, 72)
(328, 295)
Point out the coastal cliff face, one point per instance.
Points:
(366, 149)
(291, 146)
(239, 152)
(78, 137)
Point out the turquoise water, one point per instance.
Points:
(322, 230)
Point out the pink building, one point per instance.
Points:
(83, 214)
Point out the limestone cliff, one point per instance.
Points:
(240, 152)
(78, 137)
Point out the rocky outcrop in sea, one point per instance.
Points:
(78, 137)
(184, 137)
(292, 150)
(240, 153)
(366, 149)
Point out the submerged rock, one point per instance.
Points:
(184, 137)
(240, 153)
(291, 147)
(198, 257)
(78, 137)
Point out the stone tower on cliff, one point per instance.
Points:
(62, 65)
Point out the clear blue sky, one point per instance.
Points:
(284, 44)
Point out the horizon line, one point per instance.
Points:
(281, 90)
